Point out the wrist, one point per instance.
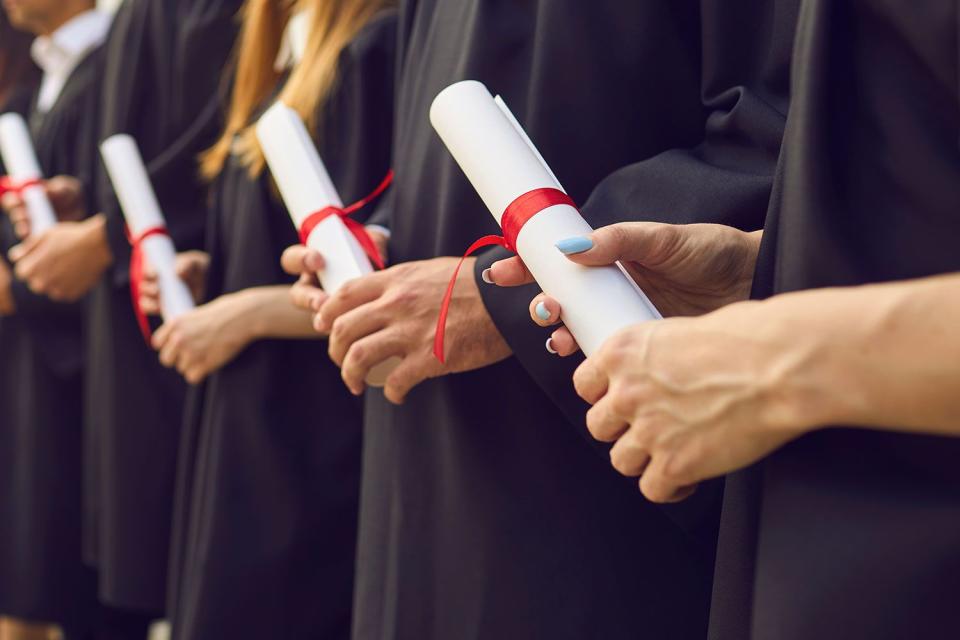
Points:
(96, 237)
(822, 370)
(247, 318)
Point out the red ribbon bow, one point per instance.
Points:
(517, 214)
(357, 229)
(136, 275)
(8, 185)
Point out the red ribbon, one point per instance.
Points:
(8, 185)
(357, 229)
(517, 214)
(136, 275)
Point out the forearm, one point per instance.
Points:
(891, 357)
(268, 314)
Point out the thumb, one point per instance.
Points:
(638, 242)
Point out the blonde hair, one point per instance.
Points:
(333, 25)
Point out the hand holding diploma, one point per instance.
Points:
(66, 261)
(306, 263)
(147, 229)
(25, 177)
(687, 270)
(689, 399)
(65, 194)
(190, 266)
(393, 313)
(318, 212)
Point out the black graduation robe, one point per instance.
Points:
(848, 533)
(485, 513)
(269, 481)
(42, 575)
(161, 83)
(725, 177)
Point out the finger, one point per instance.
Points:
(629, 457)
(590, 381)
(351, 295)
(10, 201)
(352, 326)
(408, 374)
(170, 351)
(381, 241)
(367, 353)
(25, 248)
(307, 297)
(562, 343)
(299, 259)
(634, 241)
(511, 272)
(150, 305)
(660, 487)
(161, 335)
(544, 310)
(604, 423)
(195, 375)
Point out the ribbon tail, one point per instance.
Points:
(438, 336)
(365, 240)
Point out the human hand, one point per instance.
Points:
(393, 313)
(688, 399)
(307, 293)
(202, 341)
(685, 270)
(7, 305)
(65, 194)
(66, 261)
(190, 266)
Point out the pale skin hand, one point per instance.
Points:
(307, 294)
(190, 266)
(65, 194)
(201, 342)
(688, 399)
(65, 262)
(394, 313)
(686, 270)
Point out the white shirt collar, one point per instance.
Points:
(59, 53)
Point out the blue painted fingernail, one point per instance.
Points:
(542, 312)
(487, 277)
(577, 244)
(550, 348)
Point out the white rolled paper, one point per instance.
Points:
(20, 161)
(306, 187)
(141, 210)
(502, 164)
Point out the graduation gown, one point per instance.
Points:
(491, 519)
(43, 576)
(268, 491)
(848, 533)
(724, 176)
(161, 82)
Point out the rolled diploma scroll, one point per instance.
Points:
(306, 187)
(502, 164)
(22, 165)
(142, 212)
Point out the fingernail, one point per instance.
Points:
(487, 276)
(577, 244)
(542, 312)
(550, 348)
